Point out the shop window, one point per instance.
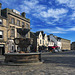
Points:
(0, 21)
(1, 34)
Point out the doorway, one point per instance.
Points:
(2, 51)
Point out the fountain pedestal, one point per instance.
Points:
(22, 57)
(23, 43)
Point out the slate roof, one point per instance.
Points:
(58, 37)
(48, 37)
(32, 33)
(37, 33)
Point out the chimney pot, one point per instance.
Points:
(0, 4)
(23, 14)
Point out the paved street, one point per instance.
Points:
(54, 64)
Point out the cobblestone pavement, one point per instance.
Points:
(54, 64)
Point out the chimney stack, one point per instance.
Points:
(23, 14)
(0, 8)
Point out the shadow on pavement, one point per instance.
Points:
(65, 59)
(61, 61)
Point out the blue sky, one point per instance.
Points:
(52, 16)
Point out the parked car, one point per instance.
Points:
(65, 50)
(54, 48)
(54, 51)
(59, 50)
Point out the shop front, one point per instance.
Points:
(2, 49)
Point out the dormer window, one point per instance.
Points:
(0, 21)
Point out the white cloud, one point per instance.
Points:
(50, 23)
(40, 25)
(52, 30)
(73, 16)
(50, 2)
(71, 29)
(57, 30)
(42, 11)
(51, 13)
(31, 3)
(9, 1)
(69, 3)
(66, 29)
(56, 13)
(32, 6)
(24, 8)
(31, 25)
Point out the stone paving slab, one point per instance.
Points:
(54, 64)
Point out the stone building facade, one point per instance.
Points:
(66, 44)
(73, 46)
(3, 35)
(11, 21)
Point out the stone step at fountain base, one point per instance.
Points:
(20, 64)
(22, 58)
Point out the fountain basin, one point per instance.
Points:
(22, 57)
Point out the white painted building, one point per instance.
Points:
(45, 40)
(50, 43)
(39, 36)
(56, 40)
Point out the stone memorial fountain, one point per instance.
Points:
(22, 56)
